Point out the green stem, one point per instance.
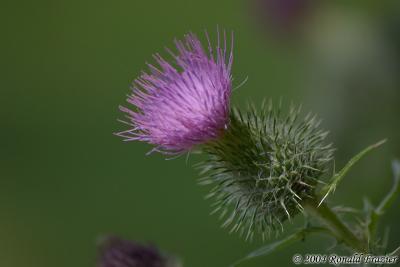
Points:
(338, 229)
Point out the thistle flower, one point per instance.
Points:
(116, 252)
(178, 107)
(263, 167)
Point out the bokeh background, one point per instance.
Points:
(67, 65)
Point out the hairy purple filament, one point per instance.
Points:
(179, 107)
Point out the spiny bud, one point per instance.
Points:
(263, 167)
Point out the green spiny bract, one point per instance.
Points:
(263, 167)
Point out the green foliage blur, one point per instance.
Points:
(66, 66)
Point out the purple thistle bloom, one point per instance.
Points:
(178, 107)
(115, 252)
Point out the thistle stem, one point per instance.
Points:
(339, 230)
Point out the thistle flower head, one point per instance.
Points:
(263, 167)
(116, 252)
(178, 107)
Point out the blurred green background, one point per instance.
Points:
(67, 65)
